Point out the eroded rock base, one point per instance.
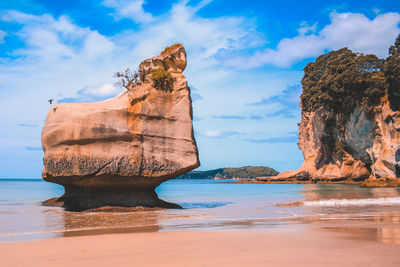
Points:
(78, 198)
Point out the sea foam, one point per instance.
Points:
(353, 202)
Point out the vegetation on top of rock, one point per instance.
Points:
(128, 78)
(170, 48)
(392, 75)
(340, 80)
(248, 172)
(162, 79)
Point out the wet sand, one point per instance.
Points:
(303, 245)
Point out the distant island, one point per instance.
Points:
(247, 172)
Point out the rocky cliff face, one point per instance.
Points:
(116, 152)
(370, 147)
(350, 121)
(385, 151)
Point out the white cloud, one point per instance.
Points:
(2, 35)
(352, 30)
(93, 93)
(129, 9)
(50, 39)
(201, 4)
(361, 34)
(96, 45)
(212, 133)
(305, 28)
(376, 10)
(101, 90)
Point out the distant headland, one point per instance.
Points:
(247, 172)
(350, 120)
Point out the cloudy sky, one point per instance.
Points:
(245, 61)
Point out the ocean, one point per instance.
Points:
(207, 204)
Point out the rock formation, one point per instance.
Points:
(116, 152)
(372, 147)
(348, 129)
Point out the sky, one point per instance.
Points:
(245, 64)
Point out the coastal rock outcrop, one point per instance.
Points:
(372, 146)
(350, 123)
(116, 152)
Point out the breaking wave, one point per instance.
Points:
(353, 202)
(343, 202)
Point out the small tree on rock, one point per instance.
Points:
(128, 79)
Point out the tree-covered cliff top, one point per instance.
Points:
(249, 172)
(340, 80)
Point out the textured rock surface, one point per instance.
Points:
(371, 146)
(385, 152)
(116, 152)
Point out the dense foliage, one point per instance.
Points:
(162, 79)
(340, 80)
(248, 172)
(392, 75)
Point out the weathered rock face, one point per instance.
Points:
(385, 151)
(116, 152)
(350, 123)
(370, 148)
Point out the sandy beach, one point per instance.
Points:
(221, 224)
(304, 245)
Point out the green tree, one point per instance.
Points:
(162, 79)
(392, 75)
(340, 80)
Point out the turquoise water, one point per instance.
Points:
(27, 191)
(208, 204)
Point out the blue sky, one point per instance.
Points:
(245, 61)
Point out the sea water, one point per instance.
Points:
(207, 204)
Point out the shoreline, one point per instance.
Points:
(381, 182)
(336, 225)
(335, 244)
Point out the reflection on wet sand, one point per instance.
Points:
(339, 191)
(101, 222)
(378, 223)
(381, 228)
(111, 220)
(388, 235)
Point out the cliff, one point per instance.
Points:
(116, 152)
(350, 121)
(372, 146)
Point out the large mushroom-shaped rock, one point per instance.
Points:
(116, 152)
